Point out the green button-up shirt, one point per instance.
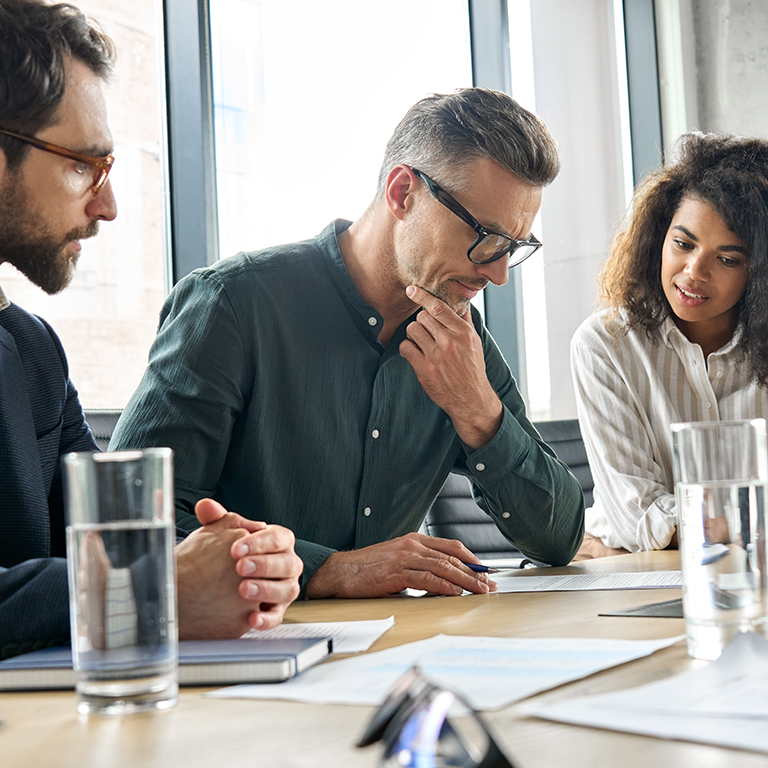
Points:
(268, 381)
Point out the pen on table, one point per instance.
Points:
(480, 568)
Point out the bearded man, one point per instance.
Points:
(55, 159)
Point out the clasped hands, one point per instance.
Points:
(234, 574)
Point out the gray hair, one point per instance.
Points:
(442, 133)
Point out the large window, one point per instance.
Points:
(306, 94)
(107, 317)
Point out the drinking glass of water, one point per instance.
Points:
(120, 538)
(721, 472)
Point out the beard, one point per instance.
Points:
(459, 305)
(410, 270)
(26, 241)
(411, 263)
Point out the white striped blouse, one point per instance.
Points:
(629, 389)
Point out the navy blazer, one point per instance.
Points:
(40, 420)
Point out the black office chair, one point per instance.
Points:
(102, 422)
(565, 439)
(455, 515)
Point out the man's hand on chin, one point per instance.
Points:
(447, 356)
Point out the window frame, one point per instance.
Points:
(192, 199)
(193, 239)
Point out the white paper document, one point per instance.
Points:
(490, 672)
(588, 581)
(724, 703)
(348, 636)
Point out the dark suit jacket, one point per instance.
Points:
(40, 420)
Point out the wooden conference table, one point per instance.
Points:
(43, 729)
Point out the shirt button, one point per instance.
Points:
(375, 433)
(719, 374)
(707, 405)
(505, 514)
(372, 321)
(367, 511)
(480, 467)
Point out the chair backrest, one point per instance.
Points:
(102, 423)
(455, 515)
(564, 437)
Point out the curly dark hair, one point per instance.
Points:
(35, 40)
(731, 174)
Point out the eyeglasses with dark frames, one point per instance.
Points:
(488, 246)
(101, 165)
(426, 726)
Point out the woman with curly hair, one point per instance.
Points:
(684, 336)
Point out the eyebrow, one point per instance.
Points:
(495, 227)
(499, 229)
(95, 151)
(688, 233)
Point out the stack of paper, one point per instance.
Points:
(490, 672)
(725, 703)
(347, 636)
(588, 581)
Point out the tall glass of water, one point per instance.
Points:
(721, 471)
(120, 537)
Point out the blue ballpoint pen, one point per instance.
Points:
(480, 568)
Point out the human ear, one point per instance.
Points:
(401, 182)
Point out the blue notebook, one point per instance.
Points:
(201, 662)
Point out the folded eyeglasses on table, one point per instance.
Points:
(425, 726)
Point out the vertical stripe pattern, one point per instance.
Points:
(629, 389)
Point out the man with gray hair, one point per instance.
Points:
(331, 385)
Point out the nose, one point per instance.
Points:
(496, 272)
(104, 206)
(697, 267)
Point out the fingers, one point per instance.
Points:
(411, 561)
(451, 547)
(419, 336)
(442, 338)
(282, 565)
(437, 308)
(268, 618)
(592, 548)
(210, 513)
(439, 567)
(448, 576)
(270, 570)
(277, 591)
(272, 598)
(271, 538)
